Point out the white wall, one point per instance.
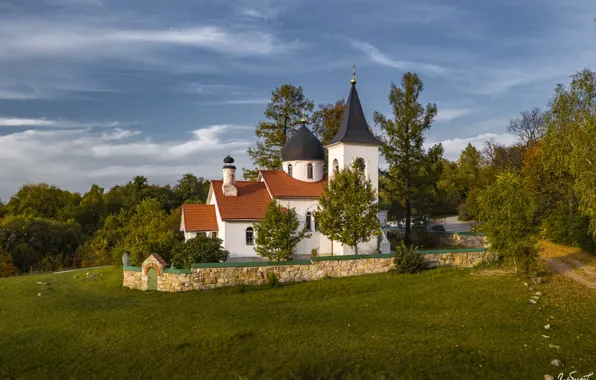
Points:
(299, 169)
(345, 153)
(235, 241)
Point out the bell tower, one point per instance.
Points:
(354, 140)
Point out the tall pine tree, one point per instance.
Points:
(412, 173)
(283, 115)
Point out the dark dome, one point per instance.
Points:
(228, 160)
(303, 145)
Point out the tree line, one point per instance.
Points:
(43, 227)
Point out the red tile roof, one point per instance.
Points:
(281, 185)
(249, 204)
(199, 217)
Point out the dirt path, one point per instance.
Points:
(571, 262)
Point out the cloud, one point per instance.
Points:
(30, 122)
(76, 158)
(235, 102)
(30, 39)
(453, 147)
(451, 113)
(375, 55)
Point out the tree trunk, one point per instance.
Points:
(356, 249)
(408, 238)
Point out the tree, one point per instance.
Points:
(200, 249)
(283, 115)
(40, 244)
(191, 189)
(277, 233)
(3, 210)
(528, 127)
(44, 201)
(569, 142)
(508, 211)
(92, 210)
(468, 169)
(147, 231)
(326, 120)
(348, 211)
(412, 173)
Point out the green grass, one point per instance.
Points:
(444, 323)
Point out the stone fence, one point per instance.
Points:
(462, 239)
(154, 274)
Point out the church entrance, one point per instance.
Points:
(151, 279)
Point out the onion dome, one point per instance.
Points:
(229, 162)
(303, 145)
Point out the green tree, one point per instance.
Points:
(326, 120)
(569, 143)
(277, 234)
(3, 210)
(92, 210)
(283, 115)
(44, 201)
(348, 211)
(40, 244)
(191, 189)
(147, 231)
(200, 249)
(508, 211)
(413, 173)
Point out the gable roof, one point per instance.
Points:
(281, 185)
(199, 217)
(249, 204)
(353, 127)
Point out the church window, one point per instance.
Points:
(307, 225)
(335, 165)
(290, 170)
(361, 164)
(309, 170)
(250, 236)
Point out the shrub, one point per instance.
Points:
(200, 249)
(314, 252)
(272, 280)
(407, 260)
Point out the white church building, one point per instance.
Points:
(233, 206)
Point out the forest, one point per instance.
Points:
(43, 227)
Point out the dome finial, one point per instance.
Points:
(353, 81)
(303, 120)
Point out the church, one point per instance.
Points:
(233, 206)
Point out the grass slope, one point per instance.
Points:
(444, 323)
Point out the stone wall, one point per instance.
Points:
(217, 275)
(462, 240)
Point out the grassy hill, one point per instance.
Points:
(444, 323)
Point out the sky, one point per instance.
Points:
(99, 91)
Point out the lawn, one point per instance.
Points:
(443, 323)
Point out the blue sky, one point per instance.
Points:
(102, 90)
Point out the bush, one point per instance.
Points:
(314, 252)
(200, 249)
(272, 280)
(407, 260)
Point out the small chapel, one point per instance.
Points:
(233, 206)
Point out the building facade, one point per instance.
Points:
(232, 207)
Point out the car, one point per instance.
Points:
(436, 227)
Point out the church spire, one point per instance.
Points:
(353, 127)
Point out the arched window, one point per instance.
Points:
(309, 171)
(308, 221)
(335, 165)
(290, 170)
(361, 164)
(250, 236)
